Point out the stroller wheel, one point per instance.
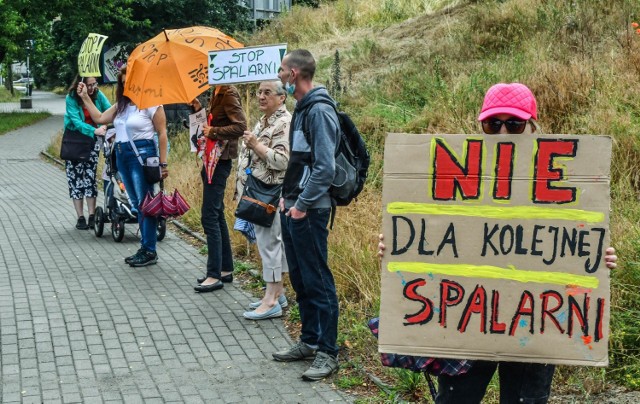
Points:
(99, 226)
(162, 228)
(117, 230)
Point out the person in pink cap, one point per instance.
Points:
(507, 109)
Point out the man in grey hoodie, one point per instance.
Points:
(305, 210)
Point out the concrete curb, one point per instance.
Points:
(190, 232)
(52, 158)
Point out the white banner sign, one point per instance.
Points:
(245, 65)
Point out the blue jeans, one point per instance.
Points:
(528, 383)
(305, 243)
(137, 187)
(214, 224)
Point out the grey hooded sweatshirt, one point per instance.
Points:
(312, 158)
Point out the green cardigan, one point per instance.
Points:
(74, 117)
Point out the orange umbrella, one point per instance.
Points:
(172, 67)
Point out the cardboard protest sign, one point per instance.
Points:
(495, 247)
(89, 56)
(245, 65)
(196, 122)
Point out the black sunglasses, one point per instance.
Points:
(514, 126)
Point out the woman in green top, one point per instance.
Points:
(81, 175)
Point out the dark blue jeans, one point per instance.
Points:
(137, 187)
(305, 243)
(220, 257)
(528, 383)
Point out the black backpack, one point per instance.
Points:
(352, 160)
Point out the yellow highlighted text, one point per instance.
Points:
(491, 272)
(496, 212)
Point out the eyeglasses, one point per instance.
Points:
(92, 85)
(266, 93)
(514, 126)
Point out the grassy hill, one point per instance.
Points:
(423, 67)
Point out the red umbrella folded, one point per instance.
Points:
(165, 205)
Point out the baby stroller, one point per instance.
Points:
(117, 207)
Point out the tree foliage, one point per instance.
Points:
(60, 27)
(309, 3)
(18, 20)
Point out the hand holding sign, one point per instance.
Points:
(82, 89)
(496, 247)
(246, 65)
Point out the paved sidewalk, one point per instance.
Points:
(77, 325)
(41, 101)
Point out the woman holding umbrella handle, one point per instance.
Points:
(135, 126)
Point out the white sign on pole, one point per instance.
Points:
(245, 65)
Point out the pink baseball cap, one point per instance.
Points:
(515, 99)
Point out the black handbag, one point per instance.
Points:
(259, 202)
(151, 170)
(76, 146)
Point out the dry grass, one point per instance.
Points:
(428, 74)
(56, 143)
(352, 249)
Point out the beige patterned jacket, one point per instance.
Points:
(273, 133)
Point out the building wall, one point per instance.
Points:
(267, 9)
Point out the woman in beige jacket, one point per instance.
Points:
(266, 155)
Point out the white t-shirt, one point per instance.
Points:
(139, 122)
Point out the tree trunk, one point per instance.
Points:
(10, 77)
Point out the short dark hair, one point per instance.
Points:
(302, 60)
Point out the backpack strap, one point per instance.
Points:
(305, 125)
(334, 207)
